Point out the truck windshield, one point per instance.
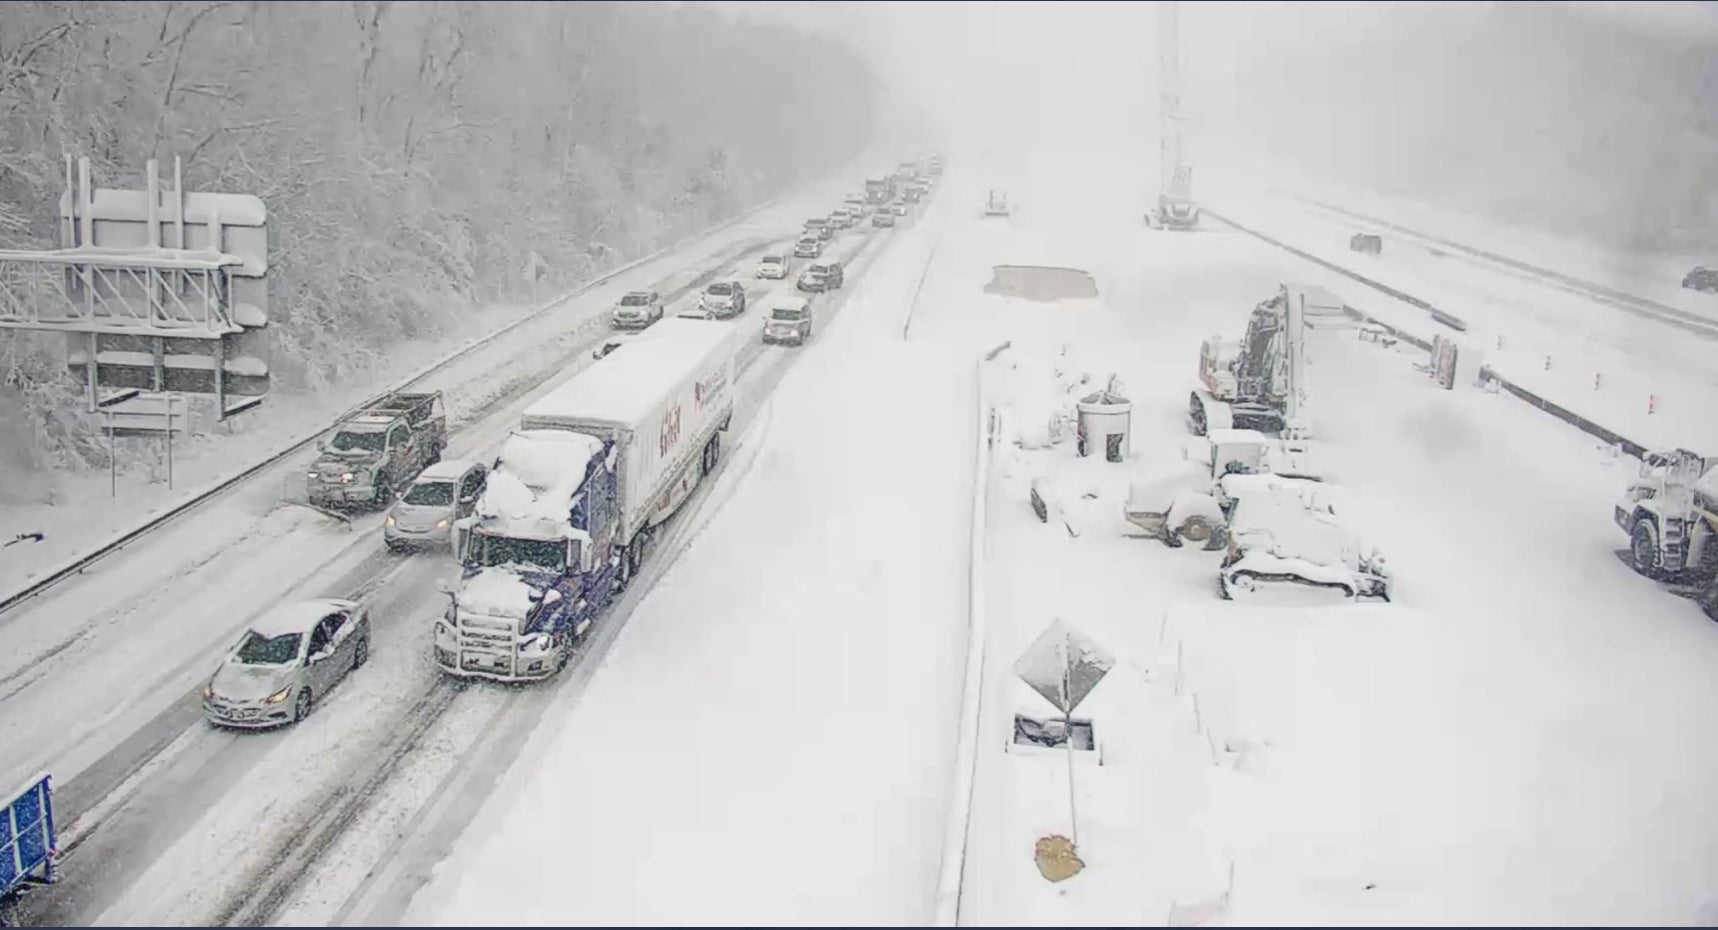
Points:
(345, 441)
(543, 555)
(430, 494)
(258, 649)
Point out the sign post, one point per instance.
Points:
(1064, 665)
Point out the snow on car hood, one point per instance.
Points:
(236, 681)
(338, 462)
(496, 592)
(418, 516)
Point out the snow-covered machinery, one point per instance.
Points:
(1258, 382)
(996, 204)
(1173, 211)
(1670, 512)
(1190, 504)
(1283, 540)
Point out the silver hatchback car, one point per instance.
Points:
(444, 492)
(288, 659)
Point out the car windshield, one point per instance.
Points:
(257, 649)
(788, 313)
(347, 441)
(635, 300)
(807, 242)
(719, 289)
(430, 494)
(772, 259)
(546, 555)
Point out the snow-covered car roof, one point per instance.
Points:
(446, 470)
(298, 617)
(365, 423)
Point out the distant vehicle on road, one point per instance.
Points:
(772, 266)
(823, 276)
(789, 321)
(287, 661)
(899, 208)
(1366, 243)
(818, 228)
(882, 218)
(807, 247)
(637, 310)
(424, 516)
(724, 299)
(1701, 279)
(996, 204)
(377, 450)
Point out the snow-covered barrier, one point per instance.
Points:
(1488, 372)
(953, 868)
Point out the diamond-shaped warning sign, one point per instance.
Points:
(1064, 665)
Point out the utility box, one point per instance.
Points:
(1104, 423)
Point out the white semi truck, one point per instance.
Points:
(577, 495)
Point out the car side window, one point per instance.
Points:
(320, 637)
(397, 437)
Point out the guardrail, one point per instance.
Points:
(76, 565)
(952, 874)
(1584, 424)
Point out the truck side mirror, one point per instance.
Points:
(322, 445)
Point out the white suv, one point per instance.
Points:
(772, 266)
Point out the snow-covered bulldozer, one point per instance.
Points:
(1282, 542)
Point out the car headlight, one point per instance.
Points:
(313, 475)
(208, 691)
(390, 521)
(278, 696)
(441, 524)
(346, 478)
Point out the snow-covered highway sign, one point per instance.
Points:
(1063, 665)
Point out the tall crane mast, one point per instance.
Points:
(1169, 94)
(1175, 207)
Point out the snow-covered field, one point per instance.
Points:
(1516, 739)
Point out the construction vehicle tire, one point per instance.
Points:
(1196, 529)
(1643, 547)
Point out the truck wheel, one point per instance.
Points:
(384, 490)
(1643, 547)
(634, 556)
(715, 448)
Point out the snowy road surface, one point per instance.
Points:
(167, 820)
(771, 735)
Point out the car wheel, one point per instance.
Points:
(301, 707)
(361, 653)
